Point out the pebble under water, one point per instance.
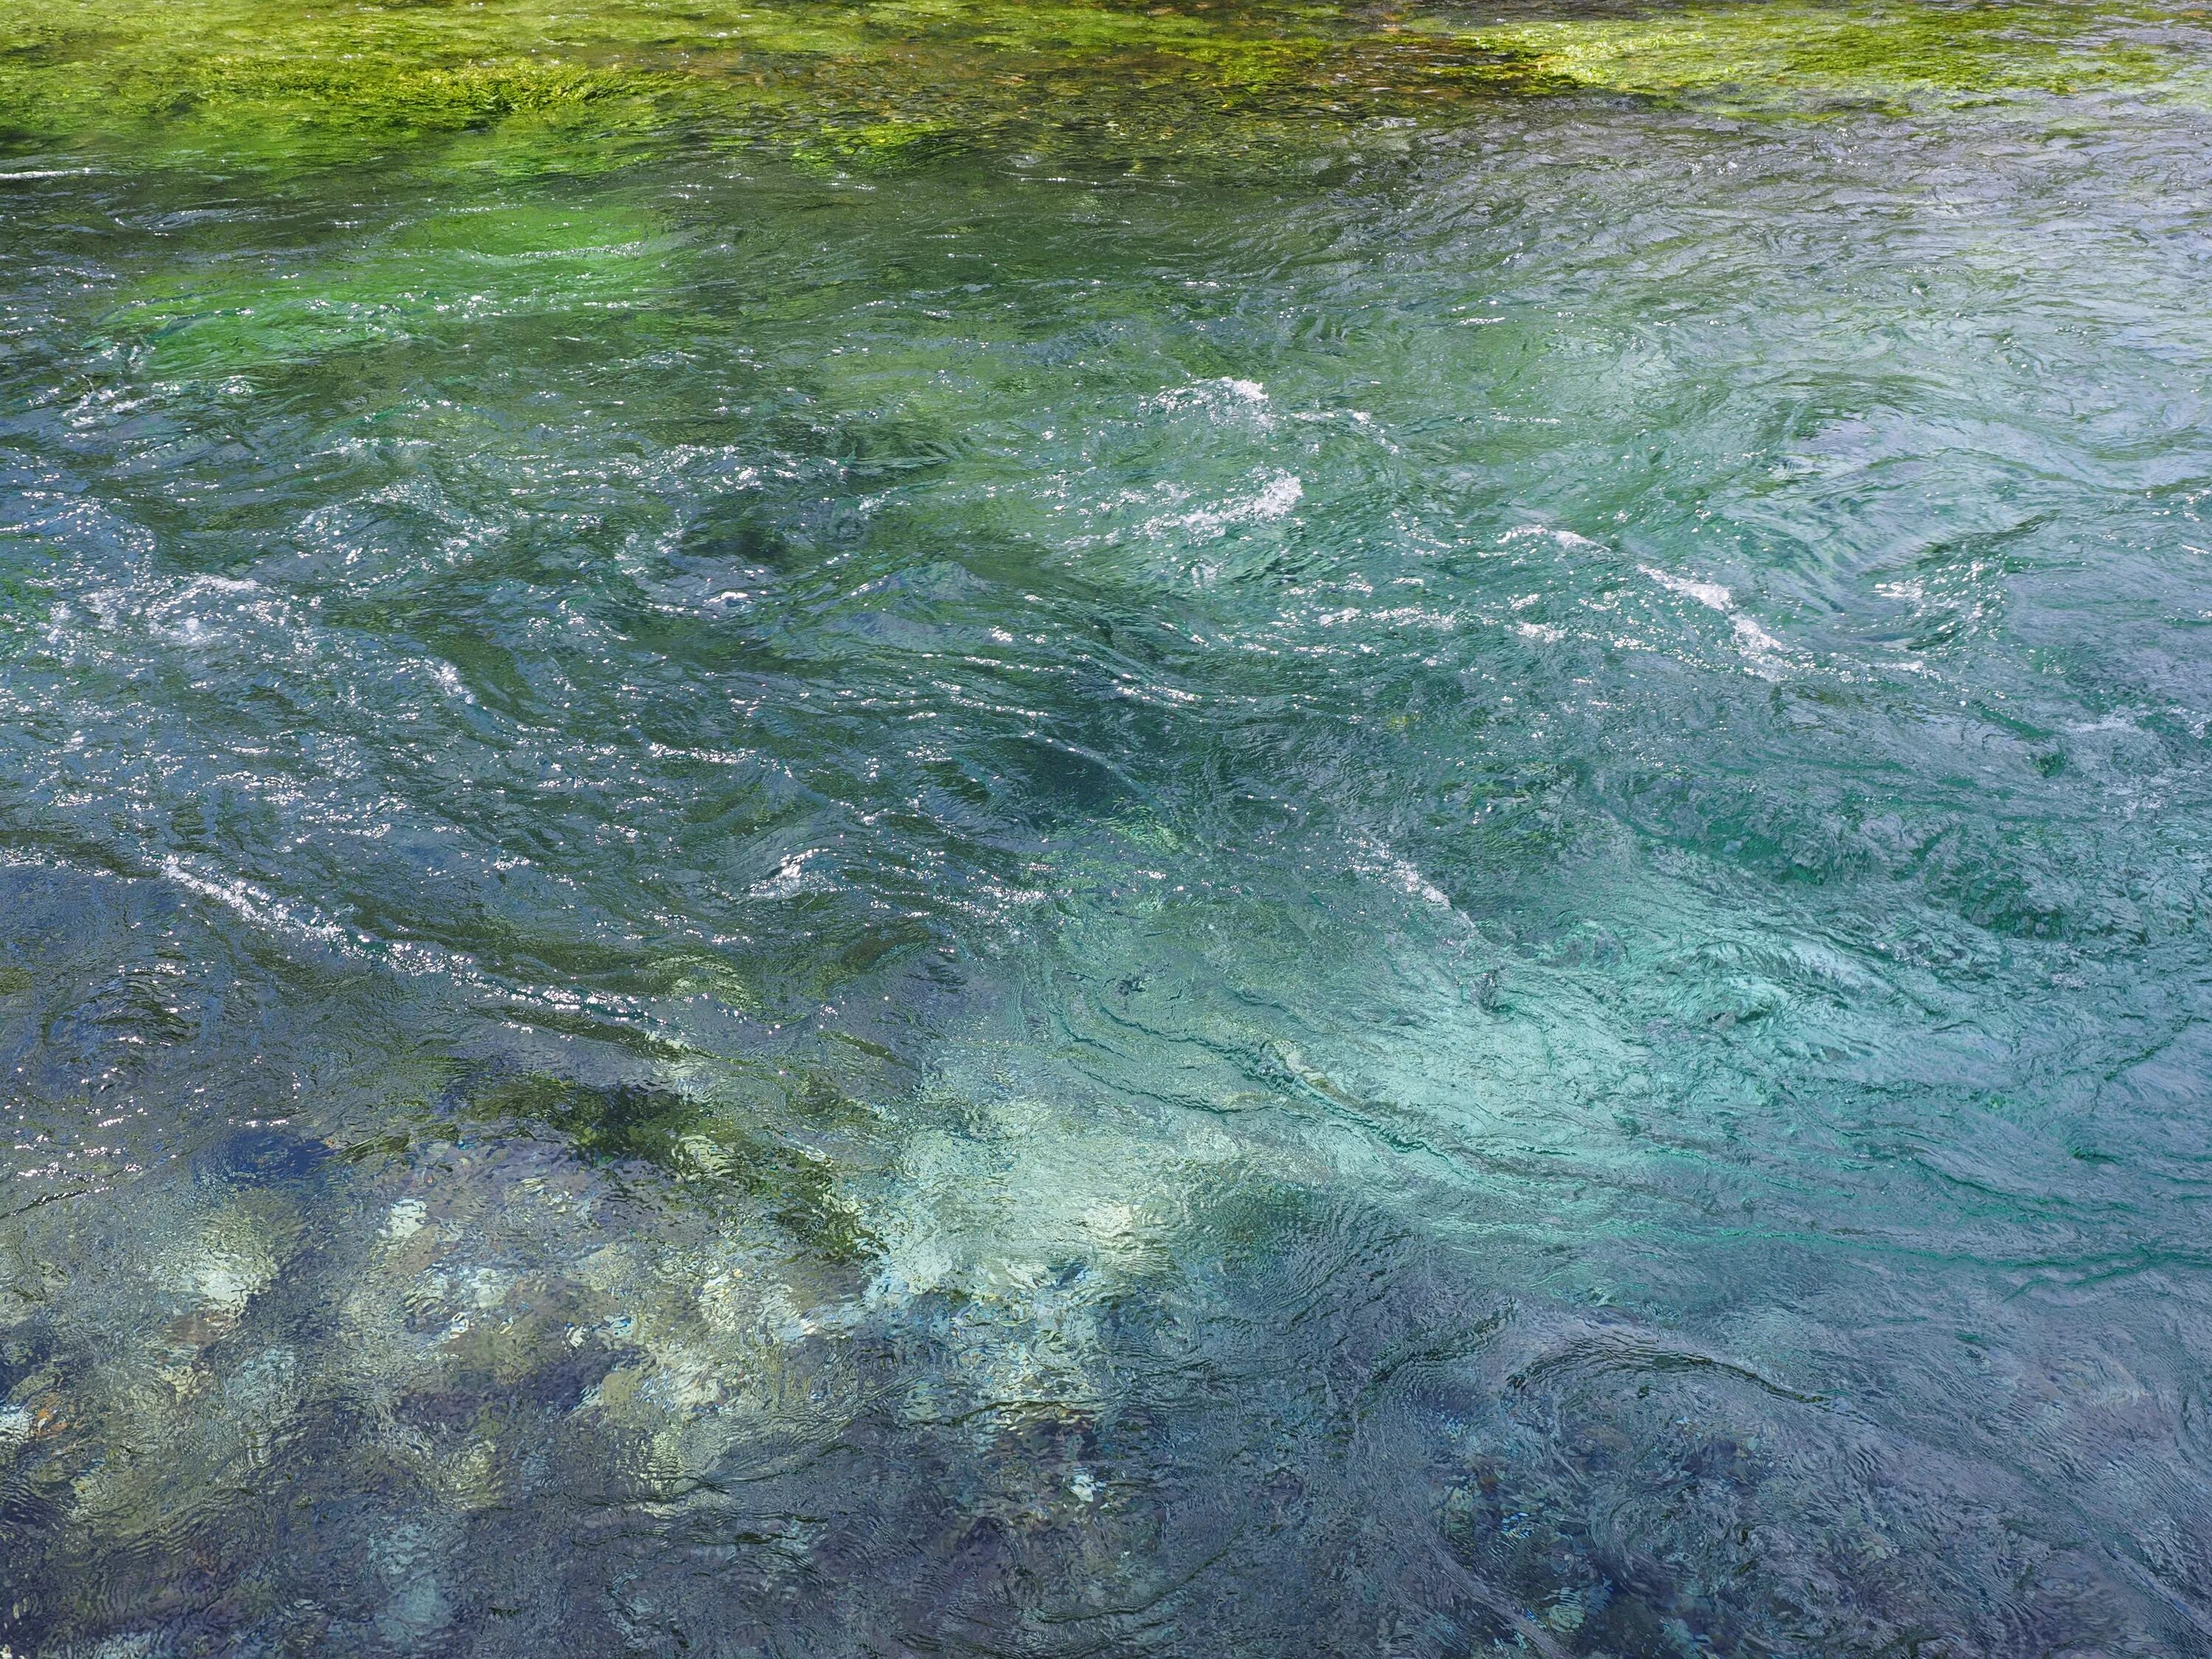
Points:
(782, 894)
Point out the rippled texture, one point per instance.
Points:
(1416, 882)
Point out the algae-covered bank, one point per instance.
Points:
(949, 827)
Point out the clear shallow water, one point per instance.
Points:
(1448, 900)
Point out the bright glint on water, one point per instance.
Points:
(1049, 827)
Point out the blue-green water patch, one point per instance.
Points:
(1438, 894)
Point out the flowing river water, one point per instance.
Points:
(1055, 830)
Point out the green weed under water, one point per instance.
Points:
(516, 84)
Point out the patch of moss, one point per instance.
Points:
(877, 83)
(690, 1139)
(1793, 55)
(502, 260)
(878, 145)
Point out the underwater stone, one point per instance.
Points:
(260, 1158)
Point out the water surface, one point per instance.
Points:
(1393, 841)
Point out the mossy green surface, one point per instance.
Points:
(857, 86)
(471, 265)
(688, 1139)
(1895, 56)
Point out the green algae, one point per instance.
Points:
(693, 1139)
(479, 262)
(513, 84)
(1895, 56)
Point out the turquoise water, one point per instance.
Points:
(1447, 898)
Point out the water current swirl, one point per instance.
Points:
(1439, 897)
